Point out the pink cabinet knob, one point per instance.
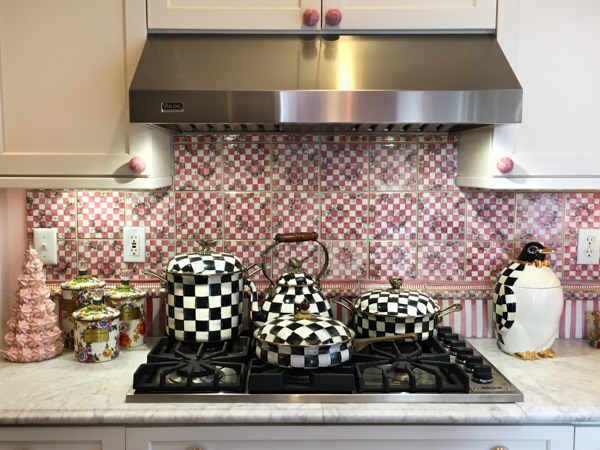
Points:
(505, 164)
(310, 17)
(333, 17)
(137, 164)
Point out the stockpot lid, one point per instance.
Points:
(396, 302)
(205, 262)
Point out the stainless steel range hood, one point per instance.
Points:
(433, 83)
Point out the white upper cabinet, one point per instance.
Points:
(553, 48)
(326, 15)
(65, 68)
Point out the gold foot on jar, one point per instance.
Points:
(527, 355)
(547, 353)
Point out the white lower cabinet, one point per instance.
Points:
(587, 438)
(351, 437)
(62, 438)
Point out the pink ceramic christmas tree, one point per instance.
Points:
(33, 334)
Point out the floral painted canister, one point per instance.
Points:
(77, 293)
(96, 333)
(131, 302)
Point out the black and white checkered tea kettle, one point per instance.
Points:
(293, 287)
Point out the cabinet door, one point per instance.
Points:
(65, 68)
(356, 15)
(63, 438)
(555, 145)
(352, 437)
(587, 438)
(413, 15)
(222, 15)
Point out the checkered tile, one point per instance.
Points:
(153, 210)
(392, 259)
(199, 215)
(294, 167)
(304, 343)
(204, 308)
(486, 259)
(296, 212)
(247, 167)
(437, 166)
(52, 209)
(343, 216)
(504, 299)
(539, 216)
(247, 215)
(490, 215)
(440, 261)
(198, 167)
(349, 260)
(344, 167)
(100, 215)
(105, 256)
(582, 210)
(393, 166)
(392, 216)
(442, 216)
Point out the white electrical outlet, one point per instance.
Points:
(588, 246)
(44, 241)
(134, 244)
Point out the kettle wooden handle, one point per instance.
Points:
(296, 237)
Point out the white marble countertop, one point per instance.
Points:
(63, 391)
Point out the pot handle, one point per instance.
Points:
(450, 309)
(154, 274)
(281, 238)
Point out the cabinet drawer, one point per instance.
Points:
(62, 438)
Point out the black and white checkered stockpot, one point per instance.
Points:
(293, 342)
(387, 313)
(504, 298)
(291, 290)
(204, 308)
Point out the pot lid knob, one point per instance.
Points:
(205, 246)
(302, 310)
(396, 284)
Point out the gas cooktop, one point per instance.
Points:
(442, 369)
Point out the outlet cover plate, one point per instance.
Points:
(45, 242)
(134, 244)
(588, 246)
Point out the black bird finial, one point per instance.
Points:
(534, 251)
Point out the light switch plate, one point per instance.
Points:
(45, 242)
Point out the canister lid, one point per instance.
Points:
(126, 290)
(95, 313)
(82, 281)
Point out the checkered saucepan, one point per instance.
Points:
(388, 312)
(307, 341)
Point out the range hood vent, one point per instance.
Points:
(389, 83)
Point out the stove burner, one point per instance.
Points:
(175, 366)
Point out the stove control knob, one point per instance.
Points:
(455, 345)
(482, 374)
(443, 331)
(449, 338)
(462, 354)
(472, 361)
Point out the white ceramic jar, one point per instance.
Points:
(131, 302)
(96, 333)
(75, 294)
